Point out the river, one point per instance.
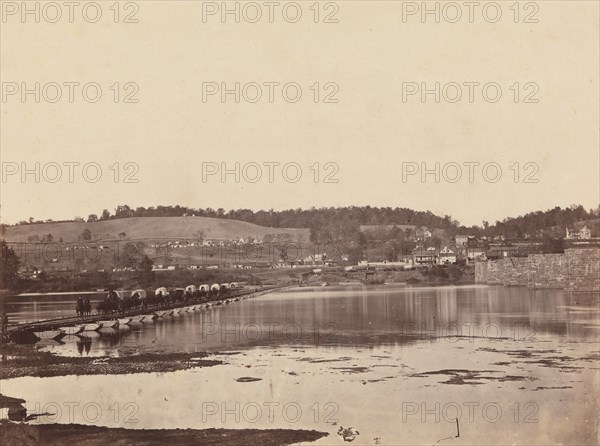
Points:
(400, 365)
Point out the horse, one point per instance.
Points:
(79, 307)
(87, 306)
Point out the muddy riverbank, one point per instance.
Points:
(20, 360)
(59, 435)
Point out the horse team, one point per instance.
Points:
(83, 307)
(138, 299)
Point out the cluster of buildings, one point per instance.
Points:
(465, 248)
(469, 248)
(434, 256)
(313, 260)
(207, 243)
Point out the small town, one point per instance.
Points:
(364, 253)
(129, 293)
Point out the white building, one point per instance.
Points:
(584, 233)
(446, 255)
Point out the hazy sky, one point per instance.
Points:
(365, 62)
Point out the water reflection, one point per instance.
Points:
(84, 344)
(388, 349)
(353, 317)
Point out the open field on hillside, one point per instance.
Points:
(151, 228)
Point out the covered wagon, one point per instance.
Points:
(138, 294)
(162, 291)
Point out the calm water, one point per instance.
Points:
(46, 306)
(399, 365)
(336, 316)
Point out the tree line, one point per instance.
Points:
(343, 223)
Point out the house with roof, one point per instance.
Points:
(474, 251)
(315, 259)
(425, 256)
(423, 233)
(584, 233)
(446, 255)
(461, 240)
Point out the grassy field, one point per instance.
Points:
(151, 228)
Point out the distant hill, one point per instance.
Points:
(151, 228)
(593, 224)
(552, 219)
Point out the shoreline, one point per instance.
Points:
(442, 275)
(82, 435)
(25, 360)
(448, 381)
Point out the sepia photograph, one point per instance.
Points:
(310, 222)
